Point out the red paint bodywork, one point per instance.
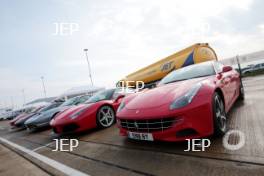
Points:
(198, 115)
(86, 120)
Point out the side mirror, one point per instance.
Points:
(119, 97)
(227, 68)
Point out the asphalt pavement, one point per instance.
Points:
(104, 152)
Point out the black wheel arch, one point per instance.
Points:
(55, 114)
(221, 94)
(218, 92)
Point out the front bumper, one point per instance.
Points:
(66, 128)
(192, 121)
(67, 125)
(36, 125)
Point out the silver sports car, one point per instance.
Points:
(43, 119)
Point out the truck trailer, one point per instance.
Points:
(152, 74)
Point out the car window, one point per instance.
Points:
(54, 105)
(102, 95)
(218, 67)
(189, 72)
(257, 66)
(70, 101)
(118, 92)
(83, 99)
(122, 91)
(31, 110)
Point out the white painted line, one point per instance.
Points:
(55, 164)
(41, 147)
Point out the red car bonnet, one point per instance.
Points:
(164, 94)
(70, 111)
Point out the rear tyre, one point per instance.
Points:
(219, 114)
(241, 92)
(105, 117)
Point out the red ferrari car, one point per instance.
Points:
(98, 111)
(191, 102)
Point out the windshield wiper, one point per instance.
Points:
(175, 81)
(186, 79)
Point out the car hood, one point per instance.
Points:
(161, 95)
(27, 116)
(55, 110)
(22, 120)
(71, 111)
(45, 116)
(18, 117)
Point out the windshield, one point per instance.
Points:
(189, 72)
(83, 99)
(70, 101)
(53, 105)
(102, 95)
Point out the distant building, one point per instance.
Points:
(41, 100)
(245, 59)
(81, 90)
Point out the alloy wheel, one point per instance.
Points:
(106, 116)
(220, 113)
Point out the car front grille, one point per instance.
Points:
(150, 125)
(69, 128)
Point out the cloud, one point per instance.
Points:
(122, 36)
(12, 85)
(261, 28)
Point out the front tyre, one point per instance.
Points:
(105, 116)
(220, 121)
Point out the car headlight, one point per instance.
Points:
(186, 98)
(76, 114)
(121, 106)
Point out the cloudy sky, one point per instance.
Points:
(121, 35)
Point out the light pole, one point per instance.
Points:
(90, 74)
(43, 85)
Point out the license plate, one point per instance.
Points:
(140, 136)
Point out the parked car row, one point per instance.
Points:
(12, 114)
(191, 102)
(253, 68)
(76, 114)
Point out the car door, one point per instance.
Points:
(224, 82)
(229, 86)
(235, 84)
